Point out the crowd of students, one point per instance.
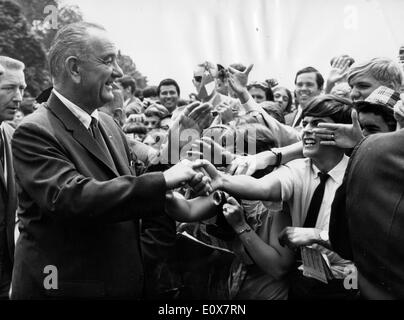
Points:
(277, 203)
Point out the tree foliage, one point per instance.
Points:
(26, 35)
(129, 68)
(17, 41)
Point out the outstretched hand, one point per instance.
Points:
(207, 148)
(238, 80)
(196, 116)
(234, 213)
(340, 135)
(189, 172)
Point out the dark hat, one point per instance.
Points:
(382, 96)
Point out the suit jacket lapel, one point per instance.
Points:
(10, 172)
(2, 177)
(79, 132)
(117, 155)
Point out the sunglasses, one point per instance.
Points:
(198, 78)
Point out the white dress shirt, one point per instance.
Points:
(80, 114)
(299, 179)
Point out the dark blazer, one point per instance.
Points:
(79, 212)
(375, 214)
(8, 206)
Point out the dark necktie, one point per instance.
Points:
(96, 133)
(315, 203)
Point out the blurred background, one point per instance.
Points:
(166, 39)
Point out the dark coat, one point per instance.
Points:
(373, 215)
(8, 206)
(79, 212)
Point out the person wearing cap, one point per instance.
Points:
(299, 184)
(12, 85)
(375, 114)
(367, 217)
(365, 77)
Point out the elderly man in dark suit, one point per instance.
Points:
(80, 203)
(12, 85)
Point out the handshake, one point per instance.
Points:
(200, 175)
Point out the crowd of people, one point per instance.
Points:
(244, 190)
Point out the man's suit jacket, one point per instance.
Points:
(8, 206)
(79, 212)
(375, 214)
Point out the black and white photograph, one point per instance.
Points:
(200, 156)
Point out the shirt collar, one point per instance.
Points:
(79, 113)
(336, 173)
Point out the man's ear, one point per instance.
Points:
(73, 69)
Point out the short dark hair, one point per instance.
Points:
(150, 91)
(329, 105)
(385, 112)
(168, 82)
(128, 81)
(319, 77)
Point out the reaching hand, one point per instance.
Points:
(296, 237)
(215, 175)
(234, 214)
(247, 165)
(196, 116)
(207, 148)
(225, 112)
(340, 135)
(238, 80)
(186, 171)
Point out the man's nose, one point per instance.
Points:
(355, 94)
(117, 71)
(18, 95)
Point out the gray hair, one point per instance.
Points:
(384, 70)
(71, 40)
(11, 64)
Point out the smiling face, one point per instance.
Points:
(169, 97)
(12, 85)
(98, 70)
(362, 86)
(306, 87)
(311, 144)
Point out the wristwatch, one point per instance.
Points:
(245, 229)
(324, 236)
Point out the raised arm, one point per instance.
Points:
(283, 134)
(249, 164)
